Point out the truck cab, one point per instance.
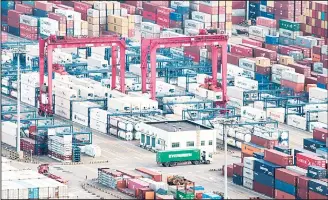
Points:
(206, 158)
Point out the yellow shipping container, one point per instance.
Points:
(130, 18)
(270, 3)
(286, 60)
(131, 26)
(84, 24)
(228, 9)
(117, 20)
(93, 20)
(109, 5)
(93, 34)
(228, 25)
(93, 27)
(124, 30)
(247, 149)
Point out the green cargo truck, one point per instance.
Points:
(171, 158)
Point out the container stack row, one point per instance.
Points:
(274, 173)
(149, 184)
(60, 147)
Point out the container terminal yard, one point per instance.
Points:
(164, 99)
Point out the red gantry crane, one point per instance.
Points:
(149, 46)
(46, 46)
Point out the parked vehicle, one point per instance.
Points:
(44, 169)
(171, 158)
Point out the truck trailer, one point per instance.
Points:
(171, 158)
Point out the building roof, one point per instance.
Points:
(183, 125)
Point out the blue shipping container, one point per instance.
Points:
(33, 193)
(39, 13)
(5, 11)
(175, 16)
(210, 196)
(262, 78)
(283, 149)
(285, 187)
(319, 187)
(70, 31)
(316, 172)
(323, 15)
(264, 179)
(267, 168)
(273, 40)
(148, 20)
(8, 5)
(286, 41)
(258, 155)
(182, 10)
(238, 180)
(31, 3)
(322, 86)
(198, 188)
(312, 144)
(254, 6)
(323, 152)
(263, 2)
(13, 30)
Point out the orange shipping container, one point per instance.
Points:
(250, 149)
(118, 20)
(308, 86)
(315, 58)
(118, 29)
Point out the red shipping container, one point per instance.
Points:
(308, 63)
(131, 9)
(212, 10)
(131, 174)
(24, 9)
(68, 3)
(134, 3)
(194, 56)
(302, 193)
(149, 173)
(301, 69)
(64, 7)
(241, 50)
(70, 24)
(271, 47)
(287, 176)
(160, 3)
(4, 37)
(267, 22)
(220, 25)
(131, 33)
(4, 18)
(135, 184)
(316, 196)
(270, 10)
(81, 7)
(286, 49)
(252, 42)
(244, 155)
(283, 195)
(28, 35)
(320, 134)
(323, 78)
(149, 15)
(306, 51)
(297, 87)
(278, 157)
(30, 29)
(263, 142)
(237, 19)
(163, 21)
(149, 7)
(234, 59)
(58, 17)
(175, 24)
(304, 160)
(310, 80)
(263, 189)
(13, 18)
(163, 11)
(238, 4)
(261, 52)
(43, 5)
(238, 168)
(56, 2)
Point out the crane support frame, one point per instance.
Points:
(149, 46)
(46, 46)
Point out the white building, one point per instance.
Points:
(183, 134)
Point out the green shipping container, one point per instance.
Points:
(179, 155)
(289, 25)
(182, 195)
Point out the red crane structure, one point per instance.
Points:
(149, 46)
(46, 46)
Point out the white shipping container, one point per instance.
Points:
(62, 102)
(248, 112)
(238, 12)
(218, 18)
(249, 162)
(69, 14)
(175, 4)
(83, 107)
(150, 27)
(193, 24)
(288, 33)
(9, 130)
(296, 121)
(323, 117)
(276, 78)
(318, 93)
(234, 70)
(99, 5)
(246, 83)
(293, 77)
(209, 3)
(324, 49)
(277, 114)
(201, 17)
(259, 31)
(263, 8)
(93, 12)
(28, 20)
(279, 69)
(98, 125)
(313, 125)
(235, 102)
(63, 112)
(99, 114)
(247, 64)
(248, 183)
(48, 26)
(235, 92)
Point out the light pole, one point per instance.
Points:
(18, 102)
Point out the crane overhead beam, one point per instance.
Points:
(54, 42)
(149, 46)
